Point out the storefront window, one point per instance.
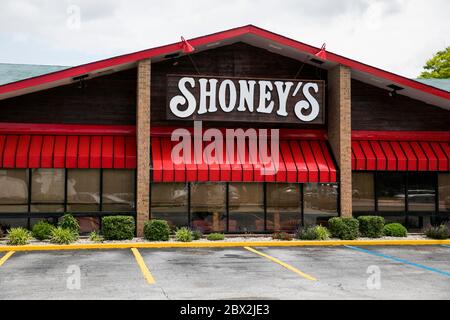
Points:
(83, 195)
(444, 192)
(47, 190)
(246, 205)
(363, 194)
(208, 209)
(320, 202)
(169, 201)
(391, 191)
(118, 190)
(14, 190)
(421, 192)
(283, 206)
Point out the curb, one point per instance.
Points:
(162, 245)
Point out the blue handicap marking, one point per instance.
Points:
(400, 260)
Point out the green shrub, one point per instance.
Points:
(395, 230)
(19, 236)
(42, 230)
(63, 236)
(215, 236)
(344, 228)
(156, 230)
(95, 237)
(118, 227)
(197, 234)
(184, 235)
(282, 236)
(439, 233)
(68, 221)
(313, 233)
(371, 226)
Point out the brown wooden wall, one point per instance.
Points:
(236, 60)
(374, 109)
(109, 99)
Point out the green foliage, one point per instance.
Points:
(313, 233)
(68, 221)
(215, 236)
(438, 67)
(344, 228)
(19, 236)
(440, 232)
(371, 226)
(197, 234)
(184, 235)
(42, 230)
(156, 230)
(282, 236)
(395, 230)
(118, 227)
(95, 237)
(61, 235)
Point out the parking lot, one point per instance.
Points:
(418, 272)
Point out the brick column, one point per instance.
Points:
(339, 131)
(143, 144)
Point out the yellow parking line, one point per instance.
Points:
(145, 272)
(6, 257)
(287, 266)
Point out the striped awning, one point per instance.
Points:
(299, 161)
(391, 155)
(67, 151)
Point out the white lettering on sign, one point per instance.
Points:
(260, 96)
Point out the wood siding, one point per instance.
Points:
(236, 60)
(109, 99)
(374, 109)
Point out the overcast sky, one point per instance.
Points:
(397, 35)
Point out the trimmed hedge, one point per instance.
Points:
(344, 228)
(156, 230)
(215, 236)
(371, 226)
(118, 227)
(395, 230)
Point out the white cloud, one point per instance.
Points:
(397, 35)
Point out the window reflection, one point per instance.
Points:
(169, 201)
(208, 210)
(444, 192)
(83, 190)
(13, 190)
(246, 205)
(391, 191)
(283, 206)
(363, 192)
(47, 185)
(421, 192)
(320, 202)
(118, 190)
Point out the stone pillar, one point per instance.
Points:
(143, 144)
(339, 131)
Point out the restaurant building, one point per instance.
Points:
(98, 139)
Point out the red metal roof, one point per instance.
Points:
(57, 78)
(401, 151)
(67, 151)
(300, 161)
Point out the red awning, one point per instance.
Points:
(400, 155)
(299, 161)
(67, 151)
